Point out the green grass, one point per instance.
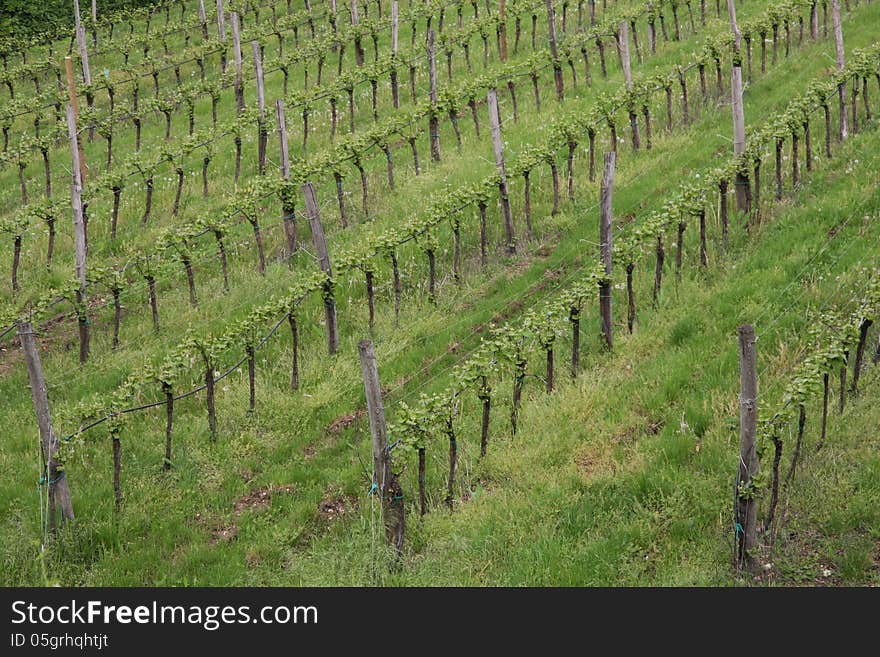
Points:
(623, 476)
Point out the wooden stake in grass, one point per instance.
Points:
(287, 206)
(433, 120)
(606, 247)
(453, 460)
(203, 20)
(554, 55)
(395, 30)
(84, 60)
(485, 395)
(79, 237)
(802, 419)
(262, 134)
(74, 102)
(320, 244)
(623, 44)
(826, 393)
(502, 30)
(169, 423)
(358, 47)
(841, 88)
(117, 463)
(239, 74)
(384, 479)
(55, 475)
(745, 506)
(498, 147)
(860, 354)
(221, 31)
(739, 122)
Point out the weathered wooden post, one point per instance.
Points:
(79, 237)
(741, 185)
(203, 19)
(814, 20)
(82, 45)
(433, 121)
(557, 68)
(606, 246)
(384, 480)
(320, 244)
(221, 32)
(498, 146)
(395, 31)
(262, 133)
(746, 506)
(502, 28)
(287, 205)
(623, 43)
(55, 475)
(236, 51)
(74, 102)
(358, 46)
(864, 327)
(841, 88)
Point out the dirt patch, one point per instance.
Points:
(261, 498)
(520, 267)
(223, 534)
(334, 507)
(345, 421)
(10, 357)
(587, 464)
(626, 436)
(593, 461)
(654, 426)
(258, 499)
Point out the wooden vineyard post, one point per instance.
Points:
(502, 30)
(82, 45)
(605, 244)
(236, 51)
(320, 244)
(74, 102)
(203, 19)
(358, 46)
(395, 32)
(221, 32)
(557, 68)
(739, 122)
(814, 20)
(59, 488)
(623, 41)
(79, 237)
(841, 88)
(434, 122)
(746, 507)
(384, 480)
(860, 354)
(498, 146)
(287, 206)
(94, 22)
(262, 134)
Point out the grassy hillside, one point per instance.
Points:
(623, 475)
